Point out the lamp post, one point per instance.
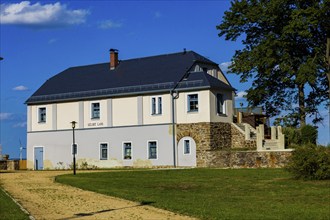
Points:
(175, 95)
(74, 147)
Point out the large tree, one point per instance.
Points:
(284, 53)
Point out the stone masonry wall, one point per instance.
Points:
(248, 159)
(238, 140)
(216, 143)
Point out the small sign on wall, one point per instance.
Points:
(95, 124)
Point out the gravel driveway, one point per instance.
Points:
(45, 199)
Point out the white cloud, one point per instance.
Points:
(51, 41)
(38, 15)
(5, 116)
(108, 24)
(224, 66)
(157, 14)
(240, 95)
(20, 88)
(20, 125)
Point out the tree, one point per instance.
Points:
(284, 53)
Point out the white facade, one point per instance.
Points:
(110, 130)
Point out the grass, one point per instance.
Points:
(215, 193)
(9, 209)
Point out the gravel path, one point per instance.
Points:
(45, 199)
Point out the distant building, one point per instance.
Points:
(123, 111)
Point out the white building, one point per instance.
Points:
(123, 111)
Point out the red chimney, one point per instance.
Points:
(113, 58)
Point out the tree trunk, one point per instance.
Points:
(301, 100)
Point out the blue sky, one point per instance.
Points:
(39, 39)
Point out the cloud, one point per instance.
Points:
(109, 24)
(5, 116)
(157, 14)
(241, 95)
(225, 66)
(20, 88)
(40, 16)
(20, 125)
(51, 41)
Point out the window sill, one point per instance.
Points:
(160, 114)
(41, 122)
(222, 114)
(103, 158)
(196, 111)
(95, 118)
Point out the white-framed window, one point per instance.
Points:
(152, 150)
(156, 105)
(42, 115)
(103, 151)
(95, 110)
(192, 101)
(186, 146)
(220, 104)
(127, 147)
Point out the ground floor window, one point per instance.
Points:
(127, 151)
(152, 145)
(186, 147)
(103, 151)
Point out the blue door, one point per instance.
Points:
(39, 158)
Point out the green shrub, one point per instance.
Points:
(292, 136)
(310, 162)
(308, 134)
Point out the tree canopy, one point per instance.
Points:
(284, 54)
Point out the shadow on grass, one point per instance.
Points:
(79, 215)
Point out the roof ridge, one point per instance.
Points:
(161, 55)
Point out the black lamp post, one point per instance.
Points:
(74, 147)
(175, 95)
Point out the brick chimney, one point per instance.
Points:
(113, 58)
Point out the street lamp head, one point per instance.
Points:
(73, 123)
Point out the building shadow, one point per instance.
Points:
(79, 215)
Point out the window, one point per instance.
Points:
(220, 104)
(96, 110)
(152, 149)
(103, 151)
(42, 115)
(127, 151)
(193, 103)
(156, 106)
(186, 147)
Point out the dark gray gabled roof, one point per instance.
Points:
(135, 76)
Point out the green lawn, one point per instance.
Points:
(9, 210)
(215, 193)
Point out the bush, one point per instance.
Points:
(310, 162)
(308, 134)
(292, 136)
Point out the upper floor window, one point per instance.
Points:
(103, 151)
(156, 105)
(96, 110)
(42, 115)
(220, 104)
(152, 149)
(193, 103)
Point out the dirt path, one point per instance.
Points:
(44, 199)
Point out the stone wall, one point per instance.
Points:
(217, 145)
(238, 140)
(208, 137)
(247, 159)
